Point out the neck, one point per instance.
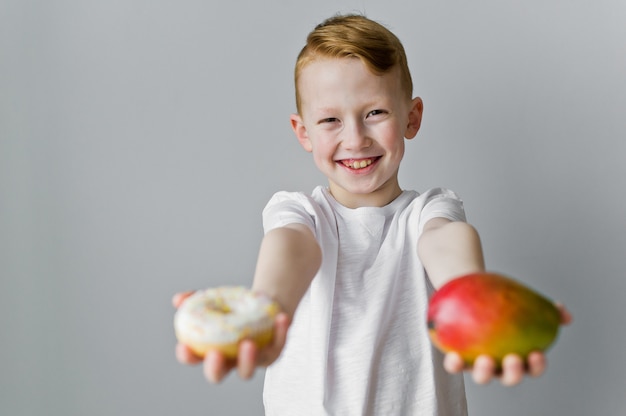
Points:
(378, 198)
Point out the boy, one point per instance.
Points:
(353, 264)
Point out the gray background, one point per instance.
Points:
(140, 140)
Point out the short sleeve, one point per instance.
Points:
(288, 208)
(441, 203)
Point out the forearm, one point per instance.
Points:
(449, 249)
(289, 258)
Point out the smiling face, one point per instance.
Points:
(355, 122)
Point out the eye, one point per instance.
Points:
(328, 120)
(376, 113)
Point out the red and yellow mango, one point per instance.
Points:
(487, 313)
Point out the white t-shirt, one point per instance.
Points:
(358, 344)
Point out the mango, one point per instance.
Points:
(488, 313)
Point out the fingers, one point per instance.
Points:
(281, 327)
(484, 369)
(536, 364)
(216, 366)
(566, 316)
(269, 354)
(185, 356)
(178, 298)
(250, 357)
(246, 359)
(453, 363)
(513, 370)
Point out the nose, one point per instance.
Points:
(354, 136)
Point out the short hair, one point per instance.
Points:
(356, 36)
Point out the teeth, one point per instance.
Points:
(362, 164)
(358, 164)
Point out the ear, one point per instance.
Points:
(415, 118)
(300, 130)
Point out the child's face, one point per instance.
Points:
(355, 123)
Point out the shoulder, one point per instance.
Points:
(416, 201)
(439, 193)
(294, 199)
(285, 207)
(437, 203)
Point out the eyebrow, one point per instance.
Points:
(324, 110)
(378, 102)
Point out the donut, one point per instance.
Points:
(219, 318)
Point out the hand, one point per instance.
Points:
(249, 357)
(513, 366)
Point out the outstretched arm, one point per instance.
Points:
(289, 258)
(451, 249)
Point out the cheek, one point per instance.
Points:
(394, 140)
(322, 148)
(395, 146)
(322, 157)
(400, 152)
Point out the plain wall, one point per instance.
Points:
(140, 140)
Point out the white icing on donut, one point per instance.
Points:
(224, 315)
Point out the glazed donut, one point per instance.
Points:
(219, 318)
